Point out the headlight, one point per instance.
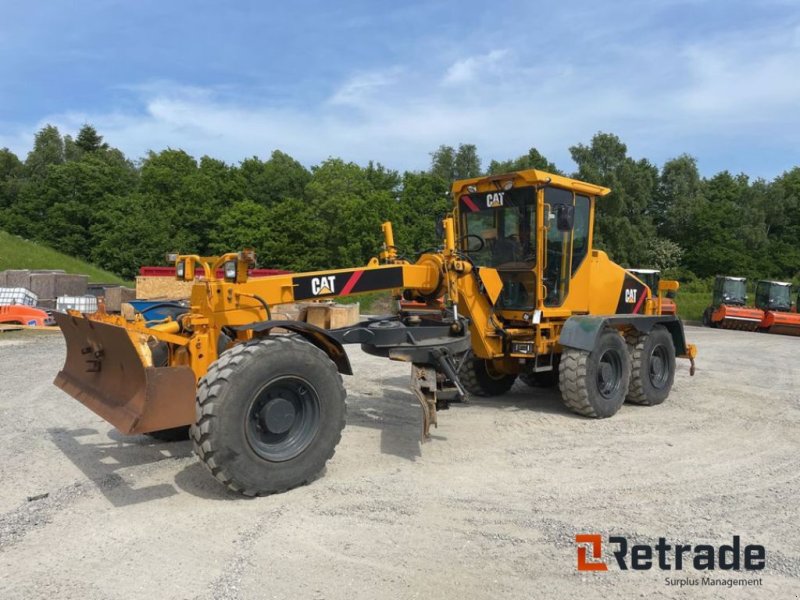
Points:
(230, 270)
(180, 269)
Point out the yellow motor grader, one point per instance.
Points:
(514, 290)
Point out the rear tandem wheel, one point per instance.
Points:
(594, 384)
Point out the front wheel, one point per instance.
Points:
(594, 384)
(480, 378)
(270, 413)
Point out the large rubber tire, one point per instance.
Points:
(174, 434)
(707, 317)
(478, 379)
(270, 413)
(594, 384)
(652, 366)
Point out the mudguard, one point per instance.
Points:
(581, 331)
(321, 338)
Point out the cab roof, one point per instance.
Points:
(769, 281)
(532, 177)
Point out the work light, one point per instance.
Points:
(230, 270)
(180, 269)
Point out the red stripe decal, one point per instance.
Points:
(639, 303)
(348, 287)
(470, 204)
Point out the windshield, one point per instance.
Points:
(780, 296)
(500, 228)
(499, 231)
(734, 292)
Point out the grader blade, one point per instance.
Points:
(104, 371)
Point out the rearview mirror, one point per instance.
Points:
(440, 227)
(565, 217)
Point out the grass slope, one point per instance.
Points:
(18, 253)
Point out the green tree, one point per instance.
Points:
(48, 149)
(351, 211)
(623, 224)
(449, 164)
(424, 200)
(130, 232)
(269, 182)
(532, 160)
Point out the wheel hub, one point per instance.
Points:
(609, 374)
(278, 415)
(659, 369)
(283, 419)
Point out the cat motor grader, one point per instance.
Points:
(525, 294)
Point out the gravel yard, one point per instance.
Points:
(489, 508)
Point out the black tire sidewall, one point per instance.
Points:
(659, 336)
(609, 339)
(267, 364)
(496, 385)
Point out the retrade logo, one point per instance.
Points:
(667, 556)
(595, 545)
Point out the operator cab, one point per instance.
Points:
(729, 290)
(774, 295)
(499, 230)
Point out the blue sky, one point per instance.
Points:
(391, 81)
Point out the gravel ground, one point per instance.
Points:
(489, 508)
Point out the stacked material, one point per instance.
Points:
(10, 296)
(84, 304)
(329, 315)
(166, 288)
(47, 286)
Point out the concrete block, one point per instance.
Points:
(43, 285)
(116, 296)
(18, 278)
(71, 285)
(3, 278)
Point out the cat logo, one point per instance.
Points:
(323, 286)
(630, 296)
(494, 199)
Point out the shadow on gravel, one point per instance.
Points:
(396, 415)
(100, 461)
(520, 397)
(196, 480)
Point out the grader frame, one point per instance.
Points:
(525, 294)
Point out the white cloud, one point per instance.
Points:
(662, 98)
(470, 69)
(359, 89)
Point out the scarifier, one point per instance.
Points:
(728, 309)
(775, 299)
(524, 294)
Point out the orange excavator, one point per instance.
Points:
(729, 308)
(775, 299)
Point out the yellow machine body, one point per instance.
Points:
(140, 376)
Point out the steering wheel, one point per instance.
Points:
(477, 237)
